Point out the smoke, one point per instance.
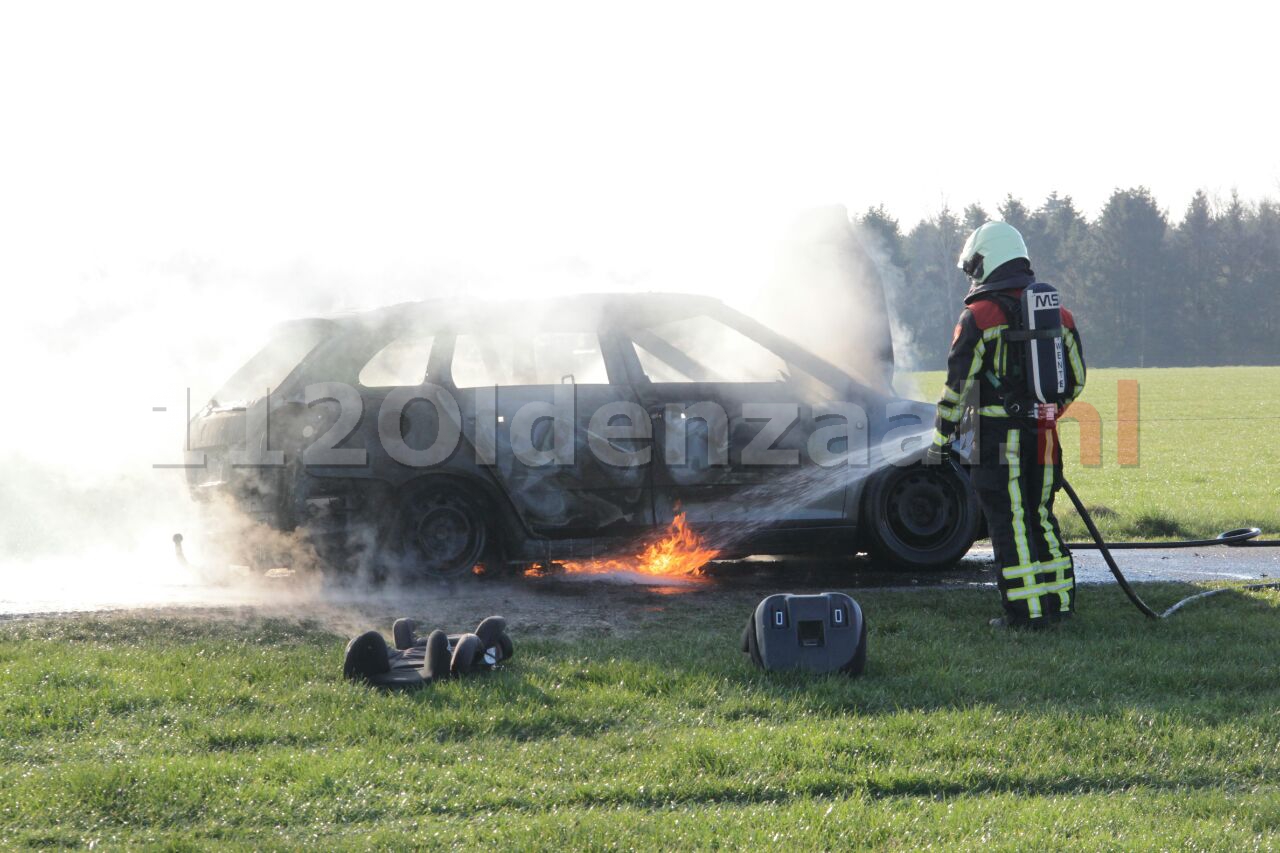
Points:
(102, 350)
(825, 291)
(98, 350)
(893, 283)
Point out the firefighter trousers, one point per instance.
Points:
(1017, 475)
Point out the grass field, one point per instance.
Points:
(1208, 453)
(1110, 733)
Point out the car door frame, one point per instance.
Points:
(588, 482)
(666, 489)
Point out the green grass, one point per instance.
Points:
(1111, 732)
(1209, 453)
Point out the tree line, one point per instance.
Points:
(1146, 291)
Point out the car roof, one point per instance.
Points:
(583, 310)
(576, 313)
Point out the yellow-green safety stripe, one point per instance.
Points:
(1046, 493)
(1013, 441)
(954, 412)
(1032, 594)
(1013, 572)
(1077, 366)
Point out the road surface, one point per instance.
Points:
(156, 581)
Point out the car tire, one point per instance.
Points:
(919, 517)
(441, 534)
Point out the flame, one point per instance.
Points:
(680, 553)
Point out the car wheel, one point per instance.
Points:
(919, 517)
(442, 534)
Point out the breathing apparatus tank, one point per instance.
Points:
(1035, 378)
(1045, 355)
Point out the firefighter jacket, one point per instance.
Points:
(981, 367)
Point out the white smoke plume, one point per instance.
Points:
(81, 437)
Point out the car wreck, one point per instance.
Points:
(423, 439)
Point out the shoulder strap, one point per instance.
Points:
(1010, 306)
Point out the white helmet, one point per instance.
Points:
(992, 244)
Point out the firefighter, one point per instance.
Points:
(1017, 470)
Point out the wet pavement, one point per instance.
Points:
(1192, 565)
(156, 582)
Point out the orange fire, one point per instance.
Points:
(681, 553)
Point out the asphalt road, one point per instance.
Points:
(1194, 565)
(79, 586)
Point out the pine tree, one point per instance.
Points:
(932, 248)
(1124, 277)
(974, 216)
(1019, 216)
(1063, 232)
(1194, 277)
(882, 240)
(1145, 293)
(1261, 343)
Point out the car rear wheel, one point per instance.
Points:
(919, 517)
(441, 534)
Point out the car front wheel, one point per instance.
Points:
(919, 517)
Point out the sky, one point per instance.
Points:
(175, 177)
(405, 135)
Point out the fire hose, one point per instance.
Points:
(1240, 537)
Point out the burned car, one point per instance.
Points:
(430, 437)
